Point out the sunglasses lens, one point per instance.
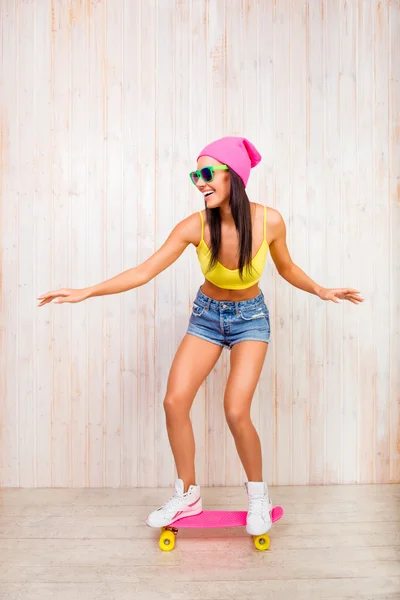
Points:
(194, 177)
(207, 174)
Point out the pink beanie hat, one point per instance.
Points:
(238, 153)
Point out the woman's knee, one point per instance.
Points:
(176, 405)
(237, 417)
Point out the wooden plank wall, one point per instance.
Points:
(104, 105)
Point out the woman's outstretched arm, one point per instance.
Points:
(294, 275)
(180, 237)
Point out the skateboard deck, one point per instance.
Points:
(213, 519)
(220, 518)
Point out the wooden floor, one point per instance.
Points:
(334, 542)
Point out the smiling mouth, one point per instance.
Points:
(207, 194)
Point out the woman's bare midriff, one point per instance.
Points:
(221, 294)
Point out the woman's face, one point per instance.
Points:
(220, 186)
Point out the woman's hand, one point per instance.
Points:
(63, 295)
(339, 294)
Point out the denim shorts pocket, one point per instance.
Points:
(250, 314)
(198, 310)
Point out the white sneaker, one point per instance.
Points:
(258, 519)
(179, 506)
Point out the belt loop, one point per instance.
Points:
(237, 308)
(208, 305)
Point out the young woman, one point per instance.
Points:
(232, 237)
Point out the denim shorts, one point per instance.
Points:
(227, 323)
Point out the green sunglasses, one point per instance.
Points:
(206, 173)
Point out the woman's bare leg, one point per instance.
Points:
(247, 359)
(192, 363)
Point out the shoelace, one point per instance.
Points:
(173, 503)
(256, 504)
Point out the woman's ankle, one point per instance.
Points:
(187, 482)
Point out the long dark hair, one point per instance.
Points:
(240, 208)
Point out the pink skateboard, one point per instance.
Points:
(215, 518)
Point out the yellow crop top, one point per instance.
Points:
(229, 278)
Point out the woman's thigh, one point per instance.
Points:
(247, 360)
(193, 361)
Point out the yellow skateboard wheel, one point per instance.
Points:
(167, 541)
(262, 542)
